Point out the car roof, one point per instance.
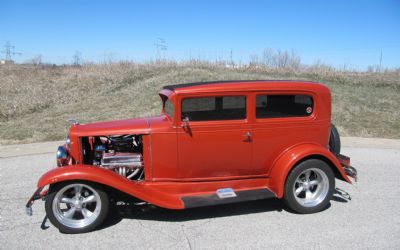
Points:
(245, 85)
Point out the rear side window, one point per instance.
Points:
(214, 108)
(274, 106)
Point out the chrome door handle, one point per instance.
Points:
(247, 137)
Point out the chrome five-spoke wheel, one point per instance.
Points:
(309, 186)
(76, 207)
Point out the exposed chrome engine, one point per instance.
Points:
(121, 154)
(126, 164)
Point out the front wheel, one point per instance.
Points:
(76, 207)
(309, 187)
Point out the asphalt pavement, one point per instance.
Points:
(360, 216)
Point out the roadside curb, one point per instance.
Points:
(51, 147)
(360, 142)
(29, 149)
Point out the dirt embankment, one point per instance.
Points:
(35, 102)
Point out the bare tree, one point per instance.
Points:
(268, 58)
(254, 61)
(36, 60)
(294, 60)
(281, 59)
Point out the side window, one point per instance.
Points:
(214, 108)
(274, 106)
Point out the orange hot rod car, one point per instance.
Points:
(213, 143)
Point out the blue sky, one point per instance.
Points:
(351, 33)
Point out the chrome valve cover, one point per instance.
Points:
(117, 159)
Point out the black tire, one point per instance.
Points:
(323, 191)
(57, 216)
(334, 140)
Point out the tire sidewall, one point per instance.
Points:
(289, 196)
(64, 229)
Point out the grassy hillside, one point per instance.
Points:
(35, 102)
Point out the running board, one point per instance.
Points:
(214, 199)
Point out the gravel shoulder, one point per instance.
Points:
(369, 220)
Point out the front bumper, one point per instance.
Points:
(38, 194)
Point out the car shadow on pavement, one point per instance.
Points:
(153, 213)
(150, 212)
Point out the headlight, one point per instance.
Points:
(62, 156)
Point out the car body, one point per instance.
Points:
(213, 143)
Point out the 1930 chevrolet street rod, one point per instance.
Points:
(213, 143)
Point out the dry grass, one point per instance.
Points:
(35, 102)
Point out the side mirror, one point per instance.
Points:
(185, 123)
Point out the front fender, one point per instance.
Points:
(291, 157)
(106, 177)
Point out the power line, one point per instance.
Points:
(77, 58)
(161, 45)
(9, 51)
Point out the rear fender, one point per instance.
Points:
(294, 155)
(106, 177)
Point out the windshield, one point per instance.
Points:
(168, 107)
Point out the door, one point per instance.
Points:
(215, 139)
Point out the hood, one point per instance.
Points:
(129, 126)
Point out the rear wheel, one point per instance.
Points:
(76, 207)
(309, 187)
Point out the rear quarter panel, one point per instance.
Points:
(292, 156)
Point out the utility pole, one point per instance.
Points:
(77, 58)
(161, 45)
(380, 62)
(231, 57)
(9, 52)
